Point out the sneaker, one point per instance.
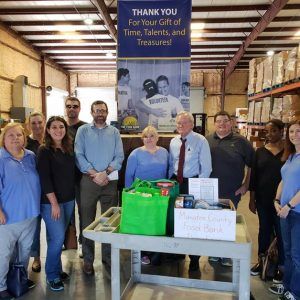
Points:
(277, 289)
(80, 251)
(213, 259)
(145, 260)
(226, 262)
(31, 284)
(56, 285)
(287, 296)
(278, 276)
(64, 276)
(5, 295)
(256, 269)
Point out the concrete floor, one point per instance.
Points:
(98, 286)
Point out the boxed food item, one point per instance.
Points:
(265, 112)
(277, 108)
(260, 77)
(257, 112)
(268, 72)
(251, 112)
(279, 61)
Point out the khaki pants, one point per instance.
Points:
(91, 193)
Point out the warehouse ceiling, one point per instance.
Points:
(220, 28)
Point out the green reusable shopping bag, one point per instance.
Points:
(143, 215)
(174, 192)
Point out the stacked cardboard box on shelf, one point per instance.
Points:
(277, 108)
(266, 108)
(260, 77)
(290, 108)
(253, 74)
(251, 112)
(291, 65)
(257, 112)
(279, 61)
(268, 72)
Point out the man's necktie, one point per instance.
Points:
(181, 162)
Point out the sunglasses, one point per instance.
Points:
(75, 106)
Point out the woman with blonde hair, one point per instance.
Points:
(19, 201)
(149, 162)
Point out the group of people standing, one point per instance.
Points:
(81, 161)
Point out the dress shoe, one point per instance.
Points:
(88, 268)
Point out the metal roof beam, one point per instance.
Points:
(266, 19)
(103, 10)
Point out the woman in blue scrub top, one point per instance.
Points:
(287, 205)
(19, 201)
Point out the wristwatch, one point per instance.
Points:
(290, 206)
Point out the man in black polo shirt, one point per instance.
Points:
(230, 153)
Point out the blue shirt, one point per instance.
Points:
(146, 166)
(290, 173)
(197, 160)
(98, 148)
(20, 191)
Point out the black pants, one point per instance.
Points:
(269, 226)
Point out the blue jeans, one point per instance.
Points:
(36, 244)
(290, 228)
(55, 232)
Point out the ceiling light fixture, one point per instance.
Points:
(197, 26)
(270, 53)
(88, 21)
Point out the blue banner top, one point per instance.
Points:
(154, 28)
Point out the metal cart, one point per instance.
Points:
(105, 230)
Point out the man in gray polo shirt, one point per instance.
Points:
(230, 153)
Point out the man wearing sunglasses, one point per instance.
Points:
(72, 110)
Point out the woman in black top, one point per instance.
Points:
(56, 167)
(265, 177)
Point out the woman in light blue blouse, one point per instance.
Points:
(149, 162)
(20, 194)
(287, 205)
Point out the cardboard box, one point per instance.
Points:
(251, 111)
(279, 61)
(260, 77)
(205, 224)
(257, 112)
(265, 112)
(268, 72)
(291, 65)
(277, 108)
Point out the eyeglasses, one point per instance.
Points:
(75, 106)
(100, 111)
(222, 121)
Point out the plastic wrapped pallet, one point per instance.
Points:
(277, 108)
(291, 65)
(251, 112)
(279, 61)
(265, 112)
(257, 112)
(260, 77)
(268, 72)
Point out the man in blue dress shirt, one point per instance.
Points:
(99, 155)
(197, 160)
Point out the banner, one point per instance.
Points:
(153, 63)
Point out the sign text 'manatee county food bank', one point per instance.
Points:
(154, 28)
